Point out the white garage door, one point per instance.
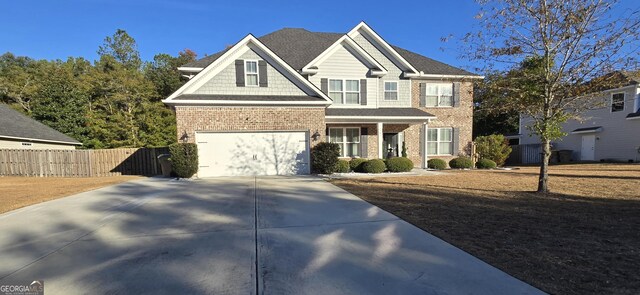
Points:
(252, 153)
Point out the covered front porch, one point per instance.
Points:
(379, 133)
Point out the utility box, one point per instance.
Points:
(564, 156)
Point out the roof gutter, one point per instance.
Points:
(243, 102)
(438, 76)
(40, 140)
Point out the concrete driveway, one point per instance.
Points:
(184, 237)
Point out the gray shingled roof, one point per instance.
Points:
(15, 124)
(245, 97)
(298, 47)
(387, 112)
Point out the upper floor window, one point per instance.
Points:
(390, 90)
(251, 72)
(345, 91)
(617, 102)
(348, 139)
(440, 141)
(439, 95)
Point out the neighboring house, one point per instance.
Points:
(257, 107)
(18, 131)
(606, 133)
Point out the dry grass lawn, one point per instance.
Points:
(584, 238)
(18, 192)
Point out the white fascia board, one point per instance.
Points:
(362, 25)
(190, 69)
(335, 46)
(243, 102)
(437, 76)
(237, 49)
(40, 140)
(377, 119)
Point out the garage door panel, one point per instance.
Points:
(253, 153)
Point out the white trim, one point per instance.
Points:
(380, 135)
(246, 74)
(587, 131)
(397, 91)
(624, 104)
(438, 76)
(381, 117)
(362, 25)
(634, 118)
(40, 140)
(345, 91)
(190, 69)
(344, 141)
(242, 102)
(203, 76)
(438, 142)
(335, 46)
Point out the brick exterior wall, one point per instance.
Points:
(456, 117)
(201, 118)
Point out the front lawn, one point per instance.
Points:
(18, 192)
(582, 239)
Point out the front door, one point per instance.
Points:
(587, 152)
(390, 145)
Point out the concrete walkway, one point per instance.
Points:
(188, 237)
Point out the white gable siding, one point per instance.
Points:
(619, 138)
(343, 64)
(225, 82)
(395, 73)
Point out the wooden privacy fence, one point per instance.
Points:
(525, 154)
(81, 163)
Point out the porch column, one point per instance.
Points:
(424, 146)
(380, 147)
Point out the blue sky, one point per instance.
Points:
(62, 28)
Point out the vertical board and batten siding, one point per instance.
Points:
(394, 74)
(343, 64)
(80, 163)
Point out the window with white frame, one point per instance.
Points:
(345, 91)
(348, 139)
(440, 141)
(390, 90)
(617, 102)
(439, 95)
(251, 72)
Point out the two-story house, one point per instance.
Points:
(256, 108)
(610, 131)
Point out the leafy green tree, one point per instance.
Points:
(123, 48)
(493, 147)
(19, 80)
(163, 71)
(556, 49)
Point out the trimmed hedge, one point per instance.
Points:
(343, 166)
(324, 157)
(374, 166)
(399, 164)
(184, 159)
(461, 163)
(356, 164)
(438, 164)
(485, 164)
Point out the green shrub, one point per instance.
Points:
(493, 147)
(461, 163)
(184, 159)
(342, 167)
(485, 164)
(438, 164)
(356, 164)
(374, 166)
(324, 157)
(399, 164)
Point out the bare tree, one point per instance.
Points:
(545, 56)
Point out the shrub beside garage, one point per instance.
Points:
(184, 159)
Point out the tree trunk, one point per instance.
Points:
(544, 167)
